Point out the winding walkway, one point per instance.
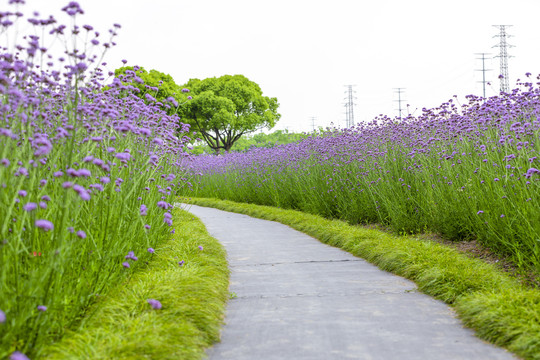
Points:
(296, 298)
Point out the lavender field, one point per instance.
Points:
(467, 171)
(89, 170)
(87, 176)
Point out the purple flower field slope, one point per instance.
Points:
(464, 171)
(87, 173)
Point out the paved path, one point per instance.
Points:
(297, 298)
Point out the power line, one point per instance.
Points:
(503, 55)
(483, 70)
(349, 106)
(399, 91)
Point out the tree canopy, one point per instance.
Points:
(223, 109)
(158, 85)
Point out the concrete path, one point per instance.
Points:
(297, 298)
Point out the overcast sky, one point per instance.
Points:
(304, 52)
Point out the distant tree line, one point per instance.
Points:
(278, 137)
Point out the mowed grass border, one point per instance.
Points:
(498, 307)
(193, 296)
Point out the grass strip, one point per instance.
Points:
(495, 305)
(193, 297)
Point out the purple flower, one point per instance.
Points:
(531, 172)
(43, 204)
(22, 193)
(151, 251)
(143, 210)
(131, 255)
(155, 304)
(496, 179)
(42, 308)
(81, 234)
(105, 180)
(149, 97)
(83, 193)
(200, 247)
(84, 172)
(124, 157)
(30, 206)
(2, 317)
(46, 225)
(479, 212)
(73, 8)
(72, 172)
(157, 141)
(67, 184)
(98, 162)
(5, 162)
(96, 186)
(22, 171)
(163, 205)
(17, 355)
(184, 90)
(502, 215)
(147, 226)
(126, 265)
(58, 173)
(181, 263)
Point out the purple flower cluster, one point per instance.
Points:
(77, 151)
(155, 304)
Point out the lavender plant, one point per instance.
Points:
(87, 173)
(465, 171)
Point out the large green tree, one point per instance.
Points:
(223, 109)
(159, 85)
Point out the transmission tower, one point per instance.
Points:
(349, 106)
(399, 91)
(503, 56)
(483, 70)
(313, 118)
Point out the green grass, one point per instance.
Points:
(498, 307)
(124, 326)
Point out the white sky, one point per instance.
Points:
(304, 52)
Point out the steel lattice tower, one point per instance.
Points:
(349, 106)
(503, 57)
(313, 118)
(399, 91)
(483, 70)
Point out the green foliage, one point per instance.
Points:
(159, 85)
(498, 307)
(193, 296)
(245, 143)
(225, 108)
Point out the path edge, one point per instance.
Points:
(496, 306)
